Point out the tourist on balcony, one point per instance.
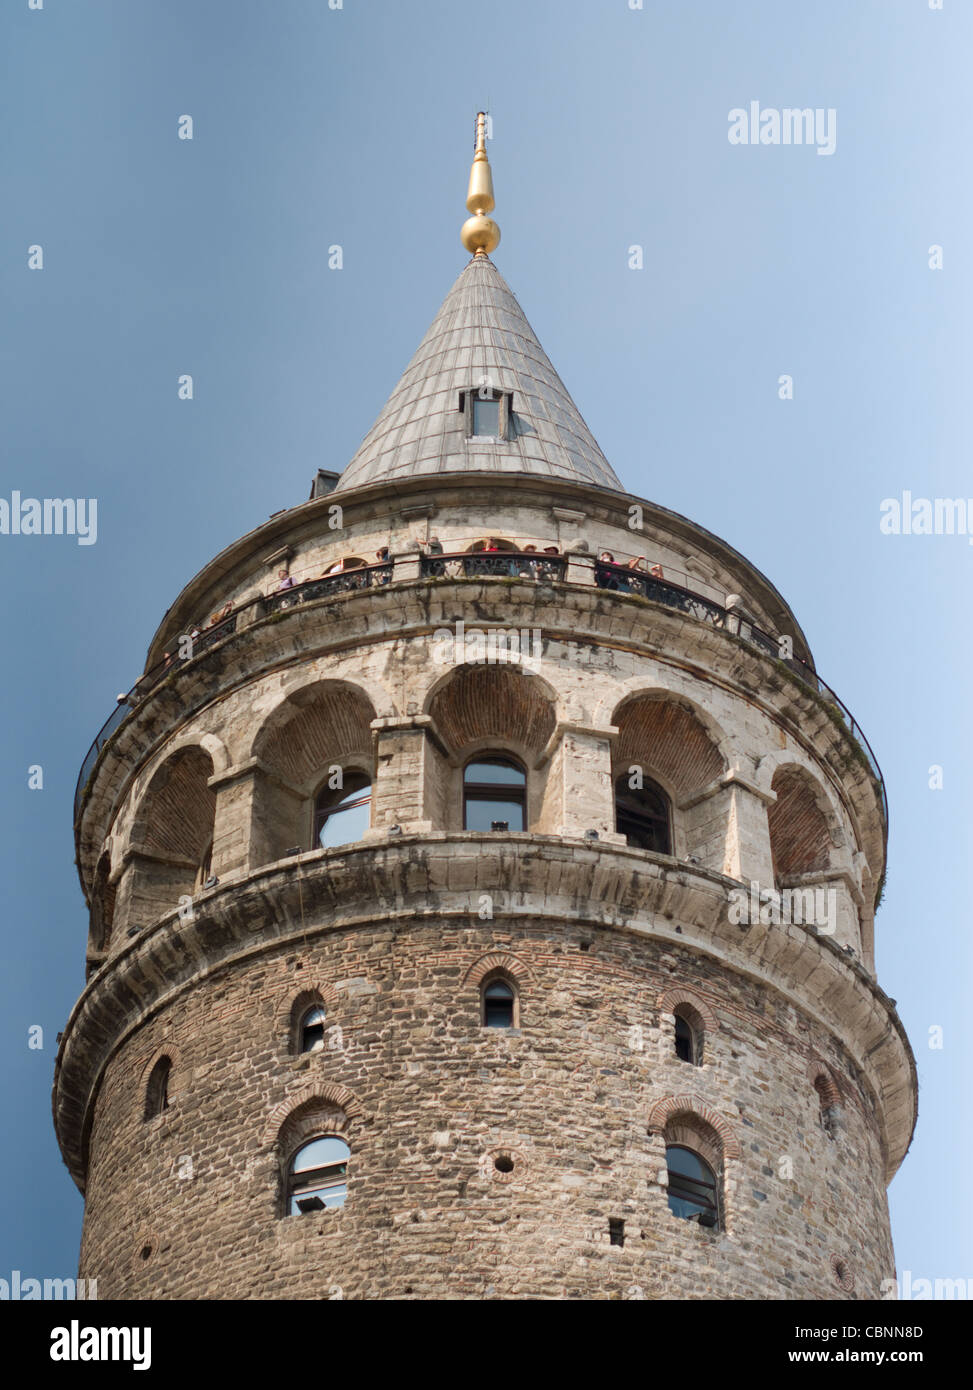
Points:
(286, 582)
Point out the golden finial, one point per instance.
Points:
(480, 233)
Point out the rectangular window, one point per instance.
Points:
(486, 418)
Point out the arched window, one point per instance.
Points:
(342, 814)
(157, 1090)
(494, 794)
(642, 815)
(311, 1030)
(499, 1004)
(318, 1176)
(688, 1035)
(692, 1186)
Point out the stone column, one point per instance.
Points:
(404, 775)
(579, 795)
(727, 829)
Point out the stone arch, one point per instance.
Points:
(676, 743)
(677, 1114)
(171, 836)
(174, 819)
(800, 822)
(495, 963)
(177, 1077)
(314, 725)
(475, 705)
(670, 999)
(317, 726)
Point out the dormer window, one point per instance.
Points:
(486, 418)
(487, 413)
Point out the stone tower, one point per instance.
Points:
(475, 913)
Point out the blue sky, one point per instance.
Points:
(315, 127)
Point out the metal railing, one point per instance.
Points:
(503, 564)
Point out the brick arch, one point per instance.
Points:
(313, 727)
(670, 999)
(478, 703)
(175, 815)
(311, 991)
(670, 739)
(672, 1107)
(828, 1092)
(497, 961)
(800, 832)
(327, 1094)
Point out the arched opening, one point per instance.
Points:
(643, 813)
(157, 1088)
(342, 813)
(693, 1188)
(694, 1160)
(172, 836)
(689, 1034)
(494, 793)
(317, 1176)
(800, 837)
(663, 758)
(310, 1032)
(499, 1002)
(315, 771)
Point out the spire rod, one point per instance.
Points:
(480, 233)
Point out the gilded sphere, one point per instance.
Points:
(480, 234)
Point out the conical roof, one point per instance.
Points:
(479, 333)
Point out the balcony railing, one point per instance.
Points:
(504, 564)
(497, 564)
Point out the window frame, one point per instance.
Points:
(320, 818)
(495, 791)
(714, 1207)
(500, 977)
(311, 1181)
(636, 817)
(505, 402)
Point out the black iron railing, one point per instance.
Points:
(503, 564)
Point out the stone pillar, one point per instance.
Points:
(579, 795)
(726, 828)
(234, 816)
(403, 770)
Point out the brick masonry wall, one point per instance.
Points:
(187, 1205)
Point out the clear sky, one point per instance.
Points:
(315, 127)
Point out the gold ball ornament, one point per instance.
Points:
(480, 234)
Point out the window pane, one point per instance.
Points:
(329, 1196)
(346, 824)
(486, 417)
(503, 774)
(480, 814)
(319, 1153)
(685, 1161)
(498, 990)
